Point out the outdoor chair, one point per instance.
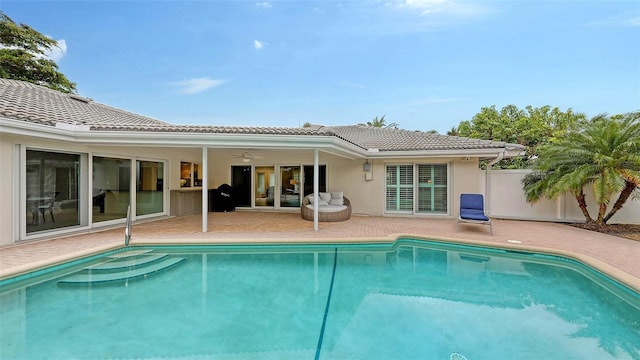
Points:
(338, 211)
(472, 211)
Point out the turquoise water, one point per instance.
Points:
(408, 300)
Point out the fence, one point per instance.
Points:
(506, 199)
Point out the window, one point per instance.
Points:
(111, 188)
(430, 188)
(52, 190)
(399, 188)
(190, 174)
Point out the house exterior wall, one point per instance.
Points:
(347, 175)
(10, 189)
(6, 190)
(366, 190)
(367, 193)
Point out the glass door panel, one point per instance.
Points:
(111, 183)
(432, 189)
(241, 184)
(265, 185)
(52, 196)
(399, 188)
(308, 179)
(149, 187)
(290, 186)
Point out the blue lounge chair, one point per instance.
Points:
(472, 211)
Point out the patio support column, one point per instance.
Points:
(205, 188)
(316, 185)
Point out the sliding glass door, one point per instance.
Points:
(419, 188)
(52, 190)
(308, 179)
(149, 187)
(265, 182)
(241, 184)
(399, 188)
(111, 188)
(290, 186)
(432, 189)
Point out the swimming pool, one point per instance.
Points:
(410, 299)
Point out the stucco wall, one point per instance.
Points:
(505, 198)
(9, 191)
(347, 175)
(367, 194)
(6, 190)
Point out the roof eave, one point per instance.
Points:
(81, 134)
(481, 153)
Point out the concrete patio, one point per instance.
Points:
(615, 256)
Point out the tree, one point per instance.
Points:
(23, 56)
(530, 127)
(380, 123)
(604, 153)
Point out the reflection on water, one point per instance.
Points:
(415, 301)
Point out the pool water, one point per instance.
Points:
(408, 300)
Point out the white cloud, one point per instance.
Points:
(257, 44)
(264, 5)
(57, 52)
(196, 86)
(453, 7)
(619, 22)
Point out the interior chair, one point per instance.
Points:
(47, 205)
(472, 211)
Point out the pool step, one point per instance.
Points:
(128, 274)
(129, 253)
(126, 263)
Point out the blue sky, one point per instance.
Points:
(426, 65)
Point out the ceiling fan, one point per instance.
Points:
(246, 156)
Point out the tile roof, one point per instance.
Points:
(37, 104)
(385, 139)
(32, 103)
(211, 129)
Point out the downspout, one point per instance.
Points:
(487, 188)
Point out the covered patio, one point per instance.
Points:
(612, 255)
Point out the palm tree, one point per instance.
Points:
(605, 153)
(380, 123)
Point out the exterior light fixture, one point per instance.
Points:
(367, 166)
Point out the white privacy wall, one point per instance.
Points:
(506, 199)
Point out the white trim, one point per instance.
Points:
(83, 183)
(205, 181)
(165, 189)
(131, 160)
(326, 142)
(19, 197)
(316, 187)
